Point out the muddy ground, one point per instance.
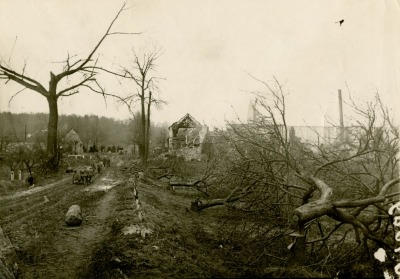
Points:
(157, 237)
(148, 234)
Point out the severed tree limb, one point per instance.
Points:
(194, 185)
(324, 205)
(186, 183)
(314, 209)
(202, 191)
(199, 205)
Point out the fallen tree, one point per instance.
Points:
(198, 185)
(331, 194)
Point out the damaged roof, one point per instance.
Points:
(186, 122)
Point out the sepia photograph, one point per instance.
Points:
(199, 139)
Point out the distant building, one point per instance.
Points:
(73, 142)
(186, 137)
(339, 136)
(253, 113)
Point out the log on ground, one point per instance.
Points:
(73, 217)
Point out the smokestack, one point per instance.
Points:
(340, 109)
(341, 136)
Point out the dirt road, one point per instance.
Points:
(34, 222)
(119, 238)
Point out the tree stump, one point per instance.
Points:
(73, 217)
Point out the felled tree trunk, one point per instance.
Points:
(334, 209)
(185, 183)
(198, 205)
(314, 209)
(305, 213)
(194, 185)
(73, 217)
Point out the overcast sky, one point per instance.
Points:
(209, 47)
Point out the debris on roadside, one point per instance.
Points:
(136, 229)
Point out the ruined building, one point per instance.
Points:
(186, 138)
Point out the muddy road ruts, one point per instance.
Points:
(20, 206)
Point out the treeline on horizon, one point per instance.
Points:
(92, 129)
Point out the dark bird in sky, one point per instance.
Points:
(340, 22)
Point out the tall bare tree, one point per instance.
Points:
(83, 70)
(142, 73)
(135, 131)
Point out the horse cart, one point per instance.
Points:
(83, 175)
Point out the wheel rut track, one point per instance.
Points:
(21, 207)
(46, 247)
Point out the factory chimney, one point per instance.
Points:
(342, 136)
(340, 109)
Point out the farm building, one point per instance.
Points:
(73, 142)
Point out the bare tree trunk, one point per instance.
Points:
(52, 142)
(52, 126)
(147, 146)
(143, 127)
(145, 83)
